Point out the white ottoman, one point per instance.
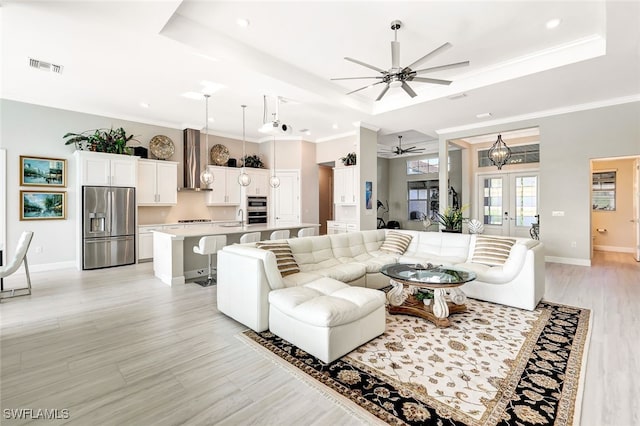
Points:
(326, 317)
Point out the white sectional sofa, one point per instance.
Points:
(247, 274)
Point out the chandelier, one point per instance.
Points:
(499, 153)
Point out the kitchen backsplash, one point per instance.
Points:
(191, 205)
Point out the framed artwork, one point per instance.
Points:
(368, 192)
(41, 171)
(40, 205)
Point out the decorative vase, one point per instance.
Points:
(426, 302)
(426, 223)
(475, 227)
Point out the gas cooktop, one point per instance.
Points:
(194, 220)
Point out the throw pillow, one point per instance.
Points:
(284, 257)
(492, 251)
(396, 242)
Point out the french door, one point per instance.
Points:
(508, 203)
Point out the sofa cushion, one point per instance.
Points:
(347, 246)
(301, 278)
(345, 272)
(492, 251)
(396, 242)
(315, 252)
(284, 258)
(326, 302)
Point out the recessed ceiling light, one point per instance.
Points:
(242, 22)
(144, 105)
(209, 87)
(483, 115)
(196, 96)
(552, 23)
(334, 126)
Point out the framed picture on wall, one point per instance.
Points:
(42, 171)
(368, 192)
(41, 205)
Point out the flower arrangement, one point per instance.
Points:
(349, 159)
(253, 161)
(451, 218)
(102, 140)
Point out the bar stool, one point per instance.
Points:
(210, 246)
(279, 235)
(19, 257)
(307, 232)
(251, 237)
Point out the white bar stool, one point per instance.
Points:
(251, 237)
(19, 257)
(210, 246)
(307, 232)
(279, 235)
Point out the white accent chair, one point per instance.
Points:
(306, 232)
(279, 235)
(251, 237)
(209, 246)
(19, 256)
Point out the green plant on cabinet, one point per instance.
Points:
(112, 140)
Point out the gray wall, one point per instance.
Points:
(567, 144)
(367, 160)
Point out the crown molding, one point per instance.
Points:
(334, 137)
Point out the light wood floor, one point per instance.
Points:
(118, 347)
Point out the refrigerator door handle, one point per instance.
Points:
(110, 210)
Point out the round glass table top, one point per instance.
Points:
(427, 274)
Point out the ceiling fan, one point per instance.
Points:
(398, 76)
(399, 150)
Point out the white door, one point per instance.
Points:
(124, 171)
(286, 198)
(167, 183)
(233, 188)
(636, 205)
(218, 193)
(508, 203)
(146, 191)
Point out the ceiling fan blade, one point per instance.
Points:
(365, 87)
(443, 67)
(409, 90)
(395, 54)
(354, 78)
(431, 80)
(413, 149)
(436, 51)
(384, 92)
(355, 61)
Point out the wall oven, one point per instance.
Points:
(257, 210)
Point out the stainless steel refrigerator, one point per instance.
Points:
(108, 223)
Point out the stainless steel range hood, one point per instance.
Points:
(193, 165)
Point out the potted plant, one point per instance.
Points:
(252, 161)
(451, 219)
(349, 159)
(424, 295)
(112, 140)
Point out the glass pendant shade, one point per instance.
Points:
(244, 179)
(499, 153)
(206, 177)
(274, 181)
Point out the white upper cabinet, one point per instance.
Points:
(259, 182)
(225, 186)
(100, 169)
(344, 185)
(157, 183)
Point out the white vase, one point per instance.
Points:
(426, 302)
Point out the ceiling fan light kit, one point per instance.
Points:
(398, 76)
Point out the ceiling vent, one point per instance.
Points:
(45, 66)
(458, 96)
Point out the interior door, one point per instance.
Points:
(286, 198)
(508, 203)
(636, 205)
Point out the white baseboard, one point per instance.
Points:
(43, 267)
(568, 260)
(614, 248)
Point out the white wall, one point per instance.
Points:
(567, 143)
(329, 151)
(367, 165)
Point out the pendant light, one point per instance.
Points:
(274, 181)
(206, 177)
(499, 153)
(243, 179)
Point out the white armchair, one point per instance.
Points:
(19, 256)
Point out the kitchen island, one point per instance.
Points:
(174, 261)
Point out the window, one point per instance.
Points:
(492, 201)
(603, 191)
(526, 200)
(426, 165)
(521, 154)
(422, 199)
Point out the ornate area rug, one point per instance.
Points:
(494, 365)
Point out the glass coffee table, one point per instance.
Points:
(408, 279)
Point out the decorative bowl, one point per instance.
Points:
(162, 147)
(219, 154)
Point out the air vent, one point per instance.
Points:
(45, 66)
(458, 96)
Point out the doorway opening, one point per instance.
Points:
(325, 195)
(615, 205)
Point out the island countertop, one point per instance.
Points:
(221, 229)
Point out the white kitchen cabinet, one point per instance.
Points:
(145, 242)
(259, 182)
(225, 187)
(157, 183)
(100, 169)
(344, 185)
(336, 227)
